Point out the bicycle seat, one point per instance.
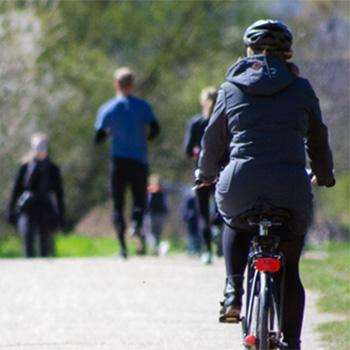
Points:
(276, 216)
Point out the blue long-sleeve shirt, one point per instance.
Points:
(126, 119)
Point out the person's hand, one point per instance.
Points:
(315, 182)
(202, 182)
(195, 152)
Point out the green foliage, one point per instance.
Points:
(175, 47)
(335, 202)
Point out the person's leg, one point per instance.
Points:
(217, 227)
(45, 236)
(294, 296)
(236, 249)
(193, 237)
(151, 232)
(203, 196)
(118, 185)
(156, 228)
(235, 246)
(138, 181)
(27, 231)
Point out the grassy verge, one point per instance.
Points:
(81, 246)
(10, 246)
(76, 246)
(331, 276)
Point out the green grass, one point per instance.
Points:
(65, 246)
(336, 334)
(82, 246)
(10, 246)
(331, 276)
(77, 246)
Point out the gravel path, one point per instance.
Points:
(168, 303)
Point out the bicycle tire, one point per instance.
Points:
(264, 309)
(251, 316)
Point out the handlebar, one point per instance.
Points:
(199, 184)
(312, 175)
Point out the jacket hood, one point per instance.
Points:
(260, 75)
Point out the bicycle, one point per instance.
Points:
(262, 319)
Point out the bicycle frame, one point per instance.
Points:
(264, 263)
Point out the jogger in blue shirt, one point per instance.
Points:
(130, 122)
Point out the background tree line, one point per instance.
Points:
(57, 60)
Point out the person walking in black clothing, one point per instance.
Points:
(131, 122)
(194, 133)
(37, 200)
(269, 116)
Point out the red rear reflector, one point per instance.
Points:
(268, 264)
(250, 340)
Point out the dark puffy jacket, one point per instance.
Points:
(45, 182)
(269, 116)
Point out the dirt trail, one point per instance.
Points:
(169, 303)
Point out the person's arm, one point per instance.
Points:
(317, 146)
(102, 125)
(59, 193)
(189, 139)
(214, 142)
(100, 136)
(154, 130)
(151, 121)
(16, 192)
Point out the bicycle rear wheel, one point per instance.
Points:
(265, 313)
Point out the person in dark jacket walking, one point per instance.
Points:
(131, 122)
(268, 115)
(37, 200)
(194, 133)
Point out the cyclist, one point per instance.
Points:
(194, 133)
(269, 115)
(130, 121)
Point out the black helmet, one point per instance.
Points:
(268, 34)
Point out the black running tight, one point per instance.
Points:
(203, 195)
(125, 173)
(236, 248)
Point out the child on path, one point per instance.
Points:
(157, 210)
